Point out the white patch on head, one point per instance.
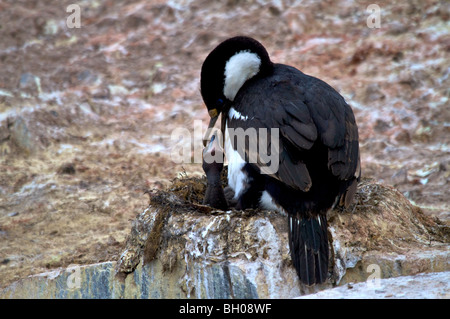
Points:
(237, 179)
(266, 201)
(239, 68)
(232, 113)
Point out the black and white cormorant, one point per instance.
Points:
(317, 156)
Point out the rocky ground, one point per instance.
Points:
(87, 114)
(423, 286)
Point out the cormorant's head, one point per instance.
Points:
(225, 71)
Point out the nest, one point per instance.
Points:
(192, 189)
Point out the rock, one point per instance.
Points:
(179, 248)
(21, 136)
(67, 168)
(4, 131)
(51, 27)
(30, 84)
(421, 286)
(373, 93)
(397, 28)
(91, 281)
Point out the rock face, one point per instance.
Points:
(179, 248)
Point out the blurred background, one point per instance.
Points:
(87, 112)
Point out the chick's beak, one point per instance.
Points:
(211, 147)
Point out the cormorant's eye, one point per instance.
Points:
(219, 102)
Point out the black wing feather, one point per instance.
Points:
(306, 110)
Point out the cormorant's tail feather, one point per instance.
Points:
(308, 243)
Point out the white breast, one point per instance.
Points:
(237, 179)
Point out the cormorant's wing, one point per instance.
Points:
(306, 110)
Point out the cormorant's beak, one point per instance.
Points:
(214, 114)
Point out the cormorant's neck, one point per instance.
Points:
(213, 177)
(214, 195)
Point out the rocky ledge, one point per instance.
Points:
(179, 248)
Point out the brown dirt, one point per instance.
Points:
(86, 114)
